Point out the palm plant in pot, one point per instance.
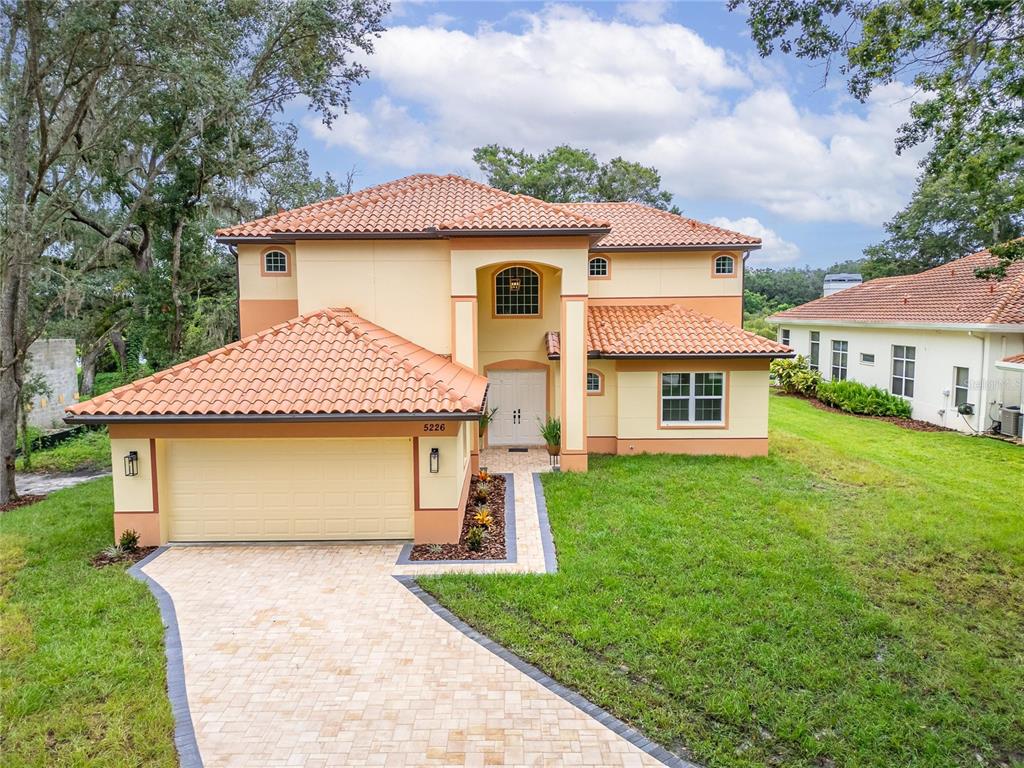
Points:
(551, 431)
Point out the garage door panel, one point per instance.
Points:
(247, 490)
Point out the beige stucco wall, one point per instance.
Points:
(402, 285)
(443, 490)
(252, 285)
(132, 494)
(746, 399)
(670, 273)
(602, 410)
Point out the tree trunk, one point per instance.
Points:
(121, 349)
(177, 330)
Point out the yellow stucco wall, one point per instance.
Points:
(746, 400)
(567, 254)
(252, 285)
(402, 285)
(675, 273)
(443, 490)
(602, 420)
(132, 494)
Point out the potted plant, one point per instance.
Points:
(551, 431)
(486, 417)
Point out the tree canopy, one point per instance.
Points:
(569, 175)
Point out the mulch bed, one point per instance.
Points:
(22, 501)
(494, 538)
(103, 559)
(914, 424)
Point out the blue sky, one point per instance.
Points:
(756, 145)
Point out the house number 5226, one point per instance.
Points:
(434, 427)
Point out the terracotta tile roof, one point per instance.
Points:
(667, 330)
(947, 294)
(417, 204)
(330, 362)
(437, 206)
(1016, 359)
(635, 226)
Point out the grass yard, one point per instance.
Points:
(82, 670)
(854, 599)
(87, 451)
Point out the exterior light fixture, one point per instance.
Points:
(514, 284)
(435, 460)
(131, 464)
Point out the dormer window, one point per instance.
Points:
(725, 265)
(275, 263)
(599, 267)
(517, 292)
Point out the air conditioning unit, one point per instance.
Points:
(1010, 421)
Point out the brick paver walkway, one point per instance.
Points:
(530, 550)
(315, 655)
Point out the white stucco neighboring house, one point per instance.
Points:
(940, 338)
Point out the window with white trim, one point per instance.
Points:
(784, 336)
(840, 359)
(815, 350)
(593, 383)
(599, 267)
(517, 292)
(867, 358)
(725, 265)
(275, 262)
(961, 385)
(692, 398)
(903, 361)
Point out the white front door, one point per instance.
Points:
(521, 400)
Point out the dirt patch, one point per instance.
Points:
(22, 501)
(106, 558)
(915, 424)
(494, 537)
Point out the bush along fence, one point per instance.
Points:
(795, 377)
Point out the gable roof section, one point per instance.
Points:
(327, 364)
(665, 330)
(425, 205)
(640, 226)
(949, 294)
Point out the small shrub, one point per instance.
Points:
(114, 552)
(551, 431)
(854, 397)
(475, 539)
(483, 517)
(435, 549)
(481, 492)
(129, 540)
(794, 375)
(483, 476)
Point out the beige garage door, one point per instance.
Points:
(268, 489)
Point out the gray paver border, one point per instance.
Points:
(511, 548)
(603, 716)
(184, 731)
(546, 539)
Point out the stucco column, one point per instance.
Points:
(573, 455)
(136, 498)
(465, 350)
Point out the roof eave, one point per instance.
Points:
(425, 234)
(595, 355)
(664, 248)
(923, 326)
(248, 418)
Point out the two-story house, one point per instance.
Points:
(378, 327)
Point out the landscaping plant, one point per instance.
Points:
(129, 541)
(854, 397)
(481, 492)
(483, 517)
(794, 376)
(551, 431)
(475, 539)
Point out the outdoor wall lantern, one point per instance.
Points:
(131, 464)
(514, 284)
(435, 460)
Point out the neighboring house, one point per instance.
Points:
(56, 361)
(935, 338)
(378, 327)
(840, 281)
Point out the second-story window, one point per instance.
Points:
(599, 267)
(725, 265)
(275, 263)
(517, 292)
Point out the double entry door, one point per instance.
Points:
(521, 400)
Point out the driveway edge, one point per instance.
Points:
(607, 719)
(184, 731)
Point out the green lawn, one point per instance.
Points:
(87, 451)
(82, 670)
(854, 599)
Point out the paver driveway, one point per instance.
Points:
(316, 655)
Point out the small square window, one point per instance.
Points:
(275, 262)
(867, 358)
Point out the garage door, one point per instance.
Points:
(268, 489)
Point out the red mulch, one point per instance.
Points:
(22, 501)
(103, 559)
(914, 424)
(494, 538)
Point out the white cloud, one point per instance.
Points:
(644, 11)
(774, 249)
(716, 127)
